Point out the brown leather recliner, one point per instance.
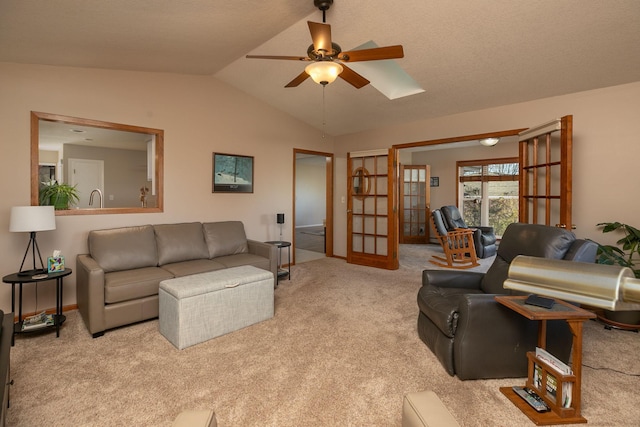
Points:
(471, 334)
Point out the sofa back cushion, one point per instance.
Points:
(124, 248)
(525, 239)
(180, 242)
(225, 238)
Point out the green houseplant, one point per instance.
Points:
(626, 252)
(60, 196)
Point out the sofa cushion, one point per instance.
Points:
(195, 266)
(245, 259)
(225, 238)
(133, 284)
(180, 242)
(124, 248)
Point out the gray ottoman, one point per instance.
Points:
(196, 308)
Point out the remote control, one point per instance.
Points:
(539, 301)
(531, 398)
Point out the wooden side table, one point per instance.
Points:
(17, 279)
(575, 317)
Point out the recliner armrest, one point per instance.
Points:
(452, 279)
(485, 329)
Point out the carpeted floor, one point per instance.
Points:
(310, 238)
(342, 350)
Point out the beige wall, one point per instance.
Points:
(606, 134)
(199, 115)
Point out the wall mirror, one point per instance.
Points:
(361, 183)
(116, 168)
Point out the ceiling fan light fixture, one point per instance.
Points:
(324, 72)
(489, 142)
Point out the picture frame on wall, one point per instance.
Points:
(435, 181)
(232, 173)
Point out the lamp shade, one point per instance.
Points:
(280, 218)
(324, 72)
(605, 286)
(32, 218)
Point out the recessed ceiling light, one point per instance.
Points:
(77, 130)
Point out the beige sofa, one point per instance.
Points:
(117, 282)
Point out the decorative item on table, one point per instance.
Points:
(143, 195)
(280, 221)
(55, 263)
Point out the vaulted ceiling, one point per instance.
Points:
(465, 54)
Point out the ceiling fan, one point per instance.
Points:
(328, 60)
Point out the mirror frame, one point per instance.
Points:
(159, 162)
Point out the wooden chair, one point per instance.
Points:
(457, 245)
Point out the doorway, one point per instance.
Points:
(313, 205)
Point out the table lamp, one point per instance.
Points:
(32, 219)
(280, 220)
(610, 287)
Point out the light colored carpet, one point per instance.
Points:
(342, 350)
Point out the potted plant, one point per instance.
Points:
(60, 196)
(626, 253)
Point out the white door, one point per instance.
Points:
(87, 175)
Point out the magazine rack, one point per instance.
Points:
(574, 316)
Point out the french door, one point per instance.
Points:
(371, 214)
(414, 197)
(545, 153)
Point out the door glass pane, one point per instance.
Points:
(381, 245)
(357, 224)
(357, 243)
(369, 245)
(381, 203)
(369, 225)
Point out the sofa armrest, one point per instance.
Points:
(266, 250)
(90, 293)
(452, 279)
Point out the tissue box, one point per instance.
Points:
(55, 264)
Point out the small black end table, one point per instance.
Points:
(282, 273)
(18, 279)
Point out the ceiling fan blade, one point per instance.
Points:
(321, 36)
(353, 78)
(299, 79)
(375, 54)
(289, 58)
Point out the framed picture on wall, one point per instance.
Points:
(232, 173)
(435, 181)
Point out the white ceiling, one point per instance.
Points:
(466, 54)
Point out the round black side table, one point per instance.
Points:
(282, 273)
(18, 279)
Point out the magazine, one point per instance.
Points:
(37, 321)
(560, 367)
